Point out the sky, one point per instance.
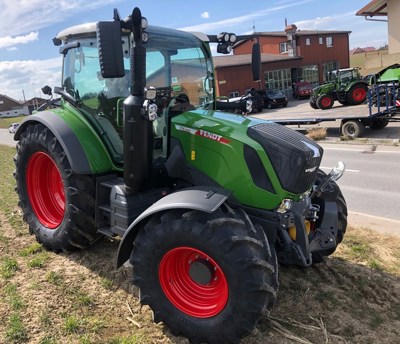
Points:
(29, 60)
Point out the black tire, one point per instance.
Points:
(57, 204)
(352, 129)
(230, 255)
(325, 102)
(357, 94)
(313, 104)
(379, 123)
(342, 213)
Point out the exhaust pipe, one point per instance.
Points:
(138, 131)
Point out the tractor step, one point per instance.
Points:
(116, 209)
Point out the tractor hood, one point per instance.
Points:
(247, 156)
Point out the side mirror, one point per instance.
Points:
(109, 43)
(47, 90)
(256, 61)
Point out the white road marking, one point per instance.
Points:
(361, 150)
(347, 170)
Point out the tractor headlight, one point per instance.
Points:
(152, 112)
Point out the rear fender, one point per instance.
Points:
(206, 199)
(355, 82)
(72, 147)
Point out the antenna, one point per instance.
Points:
(285, 22)
(254, 26)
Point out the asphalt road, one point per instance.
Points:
(6, 138)
(371, 183)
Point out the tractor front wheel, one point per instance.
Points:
(209, 277)
(57, 204)
(325, 102)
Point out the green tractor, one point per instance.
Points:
(344, 85)
(205, 202)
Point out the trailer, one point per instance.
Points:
(382, 106)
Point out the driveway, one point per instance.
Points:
(301, 109)
(6, 138)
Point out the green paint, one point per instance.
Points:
(213, 143)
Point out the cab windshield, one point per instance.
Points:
(176, 66)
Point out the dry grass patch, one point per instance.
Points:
(316, 134)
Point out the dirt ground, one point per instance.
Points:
(353, 297)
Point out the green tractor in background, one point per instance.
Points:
(343, 85)
(206, 202)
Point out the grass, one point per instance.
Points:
(8, 268)
(72, 324)
(14, 299)
(38, 261)
(316, 134)
(6, 122)
(16, 331)
(54, 278)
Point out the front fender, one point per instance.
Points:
(206, 199)
(72, 147)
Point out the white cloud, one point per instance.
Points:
(12, 48)
(9, 41)
(205, 15)
(37, 14)
(226, 23)
(30, 76)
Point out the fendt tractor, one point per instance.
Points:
(344, 85)
(206, 203)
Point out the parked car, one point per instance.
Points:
(302, 90)
(13, 128)
(273, 98)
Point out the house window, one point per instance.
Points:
(283, 48)
(308, 41)
(329, 42)
(233, 94)
(321, 40)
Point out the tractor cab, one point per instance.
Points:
(178, 67)
(344, 76)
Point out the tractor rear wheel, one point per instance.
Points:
(341, 207)
(209, 277)
(357, 94)
(57, 204)
(325, 102)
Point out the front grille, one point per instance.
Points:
(295, 158)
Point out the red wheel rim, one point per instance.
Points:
(326, 102)
(359, 94)
(45, 190)
(201, 299)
